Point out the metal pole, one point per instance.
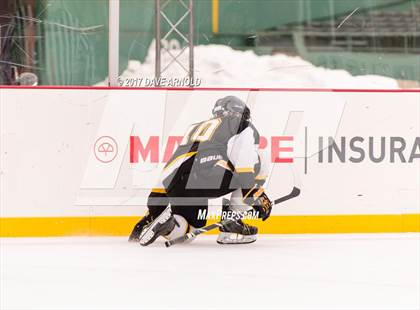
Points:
(160, 16)
(29, 31)
(113, 42)
(191, 43)
(332, 18)
(157, 39)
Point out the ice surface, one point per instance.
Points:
(222, 66)
(376, 271)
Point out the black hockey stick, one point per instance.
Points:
(294, 193)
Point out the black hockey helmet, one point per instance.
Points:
(231, 106)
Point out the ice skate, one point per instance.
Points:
(236, 232)
(161, 226)
(135, 234)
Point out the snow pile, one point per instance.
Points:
(222, 66)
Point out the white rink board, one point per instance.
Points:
(49, 168)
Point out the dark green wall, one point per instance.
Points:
(252, 15)
(73, 56)
(78, 55)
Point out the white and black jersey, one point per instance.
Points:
(225, 142)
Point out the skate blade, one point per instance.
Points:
(234, 238)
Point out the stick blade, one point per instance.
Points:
(294, 193)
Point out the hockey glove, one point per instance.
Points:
(258, 199)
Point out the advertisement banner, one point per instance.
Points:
(92, 153)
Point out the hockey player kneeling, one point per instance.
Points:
(216, 157)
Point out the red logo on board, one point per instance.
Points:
(105, 149)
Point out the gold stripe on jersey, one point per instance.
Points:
(159, 190)
(260, 177)
(258, 192)
(189, 154)
(244, 170)
(249, 192)
(223, 164)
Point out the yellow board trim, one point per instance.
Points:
(295, 224)
(215, 16)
